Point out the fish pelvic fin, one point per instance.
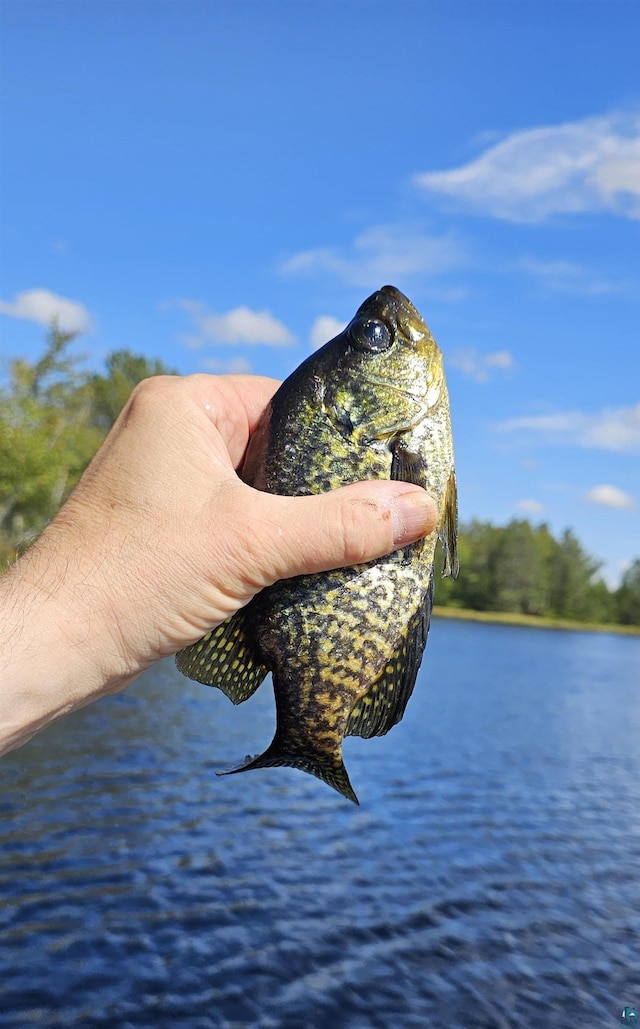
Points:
(329, 768)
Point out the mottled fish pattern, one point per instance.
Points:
(344, 647)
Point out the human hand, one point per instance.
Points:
(161, 541)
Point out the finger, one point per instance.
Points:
(253, 392)
(287, 536)
(201, 408)
(234, 403)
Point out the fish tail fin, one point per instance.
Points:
(327, 767)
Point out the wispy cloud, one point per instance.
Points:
(44, 307)
(382, 254)
(570, 277)
(616, 429)
(480, 367)
(610, 496)
(583, 166)
(323, 329)
(530, 506)
(240, 325)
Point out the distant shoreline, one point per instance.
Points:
(532, 621)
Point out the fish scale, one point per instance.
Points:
(344, 646)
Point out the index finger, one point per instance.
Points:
(234, 403)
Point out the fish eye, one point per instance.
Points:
(371, 335)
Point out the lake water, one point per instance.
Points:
(490, 877)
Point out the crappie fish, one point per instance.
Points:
(344, 647)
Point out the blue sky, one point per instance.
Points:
(221, 184)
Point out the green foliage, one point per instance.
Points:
(627, 597)
(524, 570)
(110, 392)
(46, 439)
(571, 574)
(53, 418)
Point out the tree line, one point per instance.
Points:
(523, 569)
(54, 416)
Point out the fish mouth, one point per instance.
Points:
(392, 306)
(399, 296)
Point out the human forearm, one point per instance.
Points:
(58, 637)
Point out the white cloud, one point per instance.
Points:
(499, 359)
(479, 366)
(323, 329)
(616, 429)
(570, 277)
(240, 325)
(383, 254)
(584, 166)
(610, 496)
(530, 506)
(44, 307)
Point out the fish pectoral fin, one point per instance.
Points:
(329, 768)
(225, 658)
(384, 704)
(448, 532)
(405, 465)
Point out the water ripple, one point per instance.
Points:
(489, 878)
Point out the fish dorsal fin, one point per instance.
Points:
(448, 532)
(225, 658)
(383, 705)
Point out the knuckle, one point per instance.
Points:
(150, 394)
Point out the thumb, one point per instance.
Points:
(356, 523)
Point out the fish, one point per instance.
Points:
(344, 647)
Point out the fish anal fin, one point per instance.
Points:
(448, 531)
(384, 704)
(225, 658)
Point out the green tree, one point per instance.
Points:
(475, 586)
(601, 603)
(53, 417)
(519, 573)
(570, 577)
(627, 597)
(46, 439)
(111, 391)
